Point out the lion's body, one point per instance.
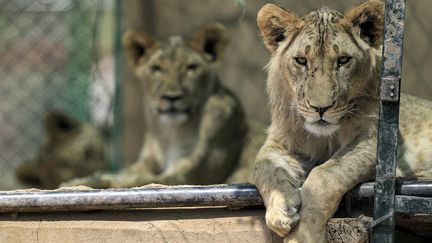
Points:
(196, 129)
(323, 84)
(71, 149)
(415, 127)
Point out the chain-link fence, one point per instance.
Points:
(58, 54)
(54, 54)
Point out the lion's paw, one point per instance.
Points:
(91, 181)
(72, 183)
(281, 219)
(309, 230)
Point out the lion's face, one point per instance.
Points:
(176, 75)
(177, 81)
(326, 62)
(72, 149)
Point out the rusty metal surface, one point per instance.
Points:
(114, 199)
(240, 195)
(410, 204)
(405, 188)
(390, 89)
(388, 124)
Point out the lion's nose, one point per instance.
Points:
(320, 110)
(172, 98)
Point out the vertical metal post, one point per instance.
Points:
(118, 74)
(388, 122)
(79, 60)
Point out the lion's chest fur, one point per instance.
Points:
(177, 146)
(312, 150)
(169, 142)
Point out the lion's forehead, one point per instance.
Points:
(174, 52)
(322, 29)
(323, 16)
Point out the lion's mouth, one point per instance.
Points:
(173, 111)
(323, 123)
(321, 127)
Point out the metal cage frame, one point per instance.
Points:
(387, 203)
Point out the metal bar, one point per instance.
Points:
(388, 125)
(405, 188)
(113, 199)
(409, 204)
(78, 69)
(240, 195)
(117, 99)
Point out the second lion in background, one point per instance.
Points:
(196, 129)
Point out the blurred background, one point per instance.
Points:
(66, 55)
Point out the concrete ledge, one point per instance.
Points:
(158, 225)
(210, 225)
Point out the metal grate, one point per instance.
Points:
(50, 57)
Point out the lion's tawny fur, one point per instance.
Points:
(196, 129)
(71, 149)
(323, 85)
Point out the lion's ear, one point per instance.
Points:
(368, 18)
(136, 46)
(59, 124)
(211, 41)
(276, 24)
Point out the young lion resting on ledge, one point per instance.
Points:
(72, 148)
(323, 83)
(196, 130)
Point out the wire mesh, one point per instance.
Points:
(51, 57)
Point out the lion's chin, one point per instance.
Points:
(321, 129)
(173, 117)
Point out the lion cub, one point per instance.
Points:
(196, 129)
(323, 84)
(72, 148)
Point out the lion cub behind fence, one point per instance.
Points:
(323, 84)
(71, 149)
(196, 129)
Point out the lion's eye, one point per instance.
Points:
(301, 61)
(343, 60)
(155, 68)
(192, 67)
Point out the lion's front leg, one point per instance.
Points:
(137, 174)
(326, 184)
(278, 178)
(320, 197)
(282, 210)
(94, 181)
